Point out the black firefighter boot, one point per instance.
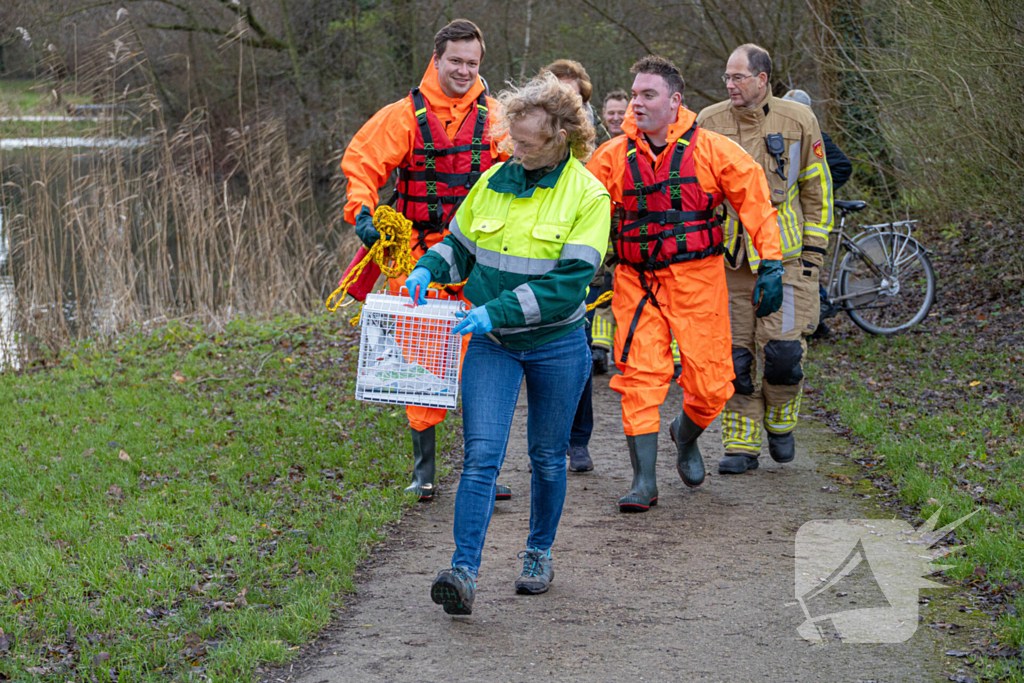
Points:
(689, 464)
(782, 447)
(643, 456)
(423, 449)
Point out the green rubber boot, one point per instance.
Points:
(689, 464)
(643, 456)
(423, 450)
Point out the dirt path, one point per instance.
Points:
(694, 590)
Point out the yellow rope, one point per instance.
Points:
(391, 252)
(607, 296)
(393, 255)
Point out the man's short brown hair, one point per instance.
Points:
(571, 70)
(616, 95)
(653, 64)
(460, 29)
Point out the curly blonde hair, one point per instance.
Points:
(559, 101)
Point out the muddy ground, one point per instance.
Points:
(701, 588)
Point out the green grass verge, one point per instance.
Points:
(186, 503)
(46, 129)
(942, 417)
(21, 97)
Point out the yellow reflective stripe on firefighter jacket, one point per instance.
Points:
(527, 253)
(801, 188)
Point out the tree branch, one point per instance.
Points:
(266, 43)
(620, 25)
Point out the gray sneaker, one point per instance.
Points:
(537, 572)
(579, 459)
(454, 589)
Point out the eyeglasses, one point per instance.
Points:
(735, 79)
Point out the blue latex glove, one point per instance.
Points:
(767, 295)
(418, 283)
(364, 228)
(475, 321)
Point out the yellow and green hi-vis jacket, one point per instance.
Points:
(526, 252)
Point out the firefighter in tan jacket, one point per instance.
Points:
(784, 138)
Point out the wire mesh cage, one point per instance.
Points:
(408, 354)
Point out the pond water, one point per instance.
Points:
(9, 357)
(28, 143)
(8, 348)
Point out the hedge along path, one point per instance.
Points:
(694, 590)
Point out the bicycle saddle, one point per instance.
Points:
(851, 207)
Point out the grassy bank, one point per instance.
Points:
(45, 129)
(184, 506)
(938, 419)
(20, 97)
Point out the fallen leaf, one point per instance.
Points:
(975, 383)
(99, 658)
(124, 456)
(231, 539)
(178, 377)
(7, 641)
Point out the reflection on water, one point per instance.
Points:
(25, 143)
(49, 117)
(8, 350)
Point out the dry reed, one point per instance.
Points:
(161, 224)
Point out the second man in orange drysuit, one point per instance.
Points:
(666, 177)
(438, 139)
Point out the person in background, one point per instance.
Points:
(784, 138)
(527, 240)
(451, 111)
(841, 169)
(838, 163)
(612, 114)
(573, 74)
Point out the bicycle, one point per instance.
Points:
(885, 281)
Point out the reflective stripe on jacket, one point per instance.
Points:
(801, 190)
(527, 257)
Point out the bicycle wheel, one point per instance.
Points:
(896, 293)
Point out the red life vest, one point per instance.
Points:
(442, 170)
(668, 217)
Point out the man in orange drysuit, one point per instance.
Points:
(666, 178)
(438, 139)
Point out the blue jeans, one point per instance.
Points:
(491, 377)
(583, 422)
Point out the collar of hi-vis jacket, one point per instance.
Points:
(684, 119)
(756, 114)
(446, 108)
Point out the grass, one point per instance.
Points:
(45, 129)
(24, 97)
(188, 505)
(941, 417)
